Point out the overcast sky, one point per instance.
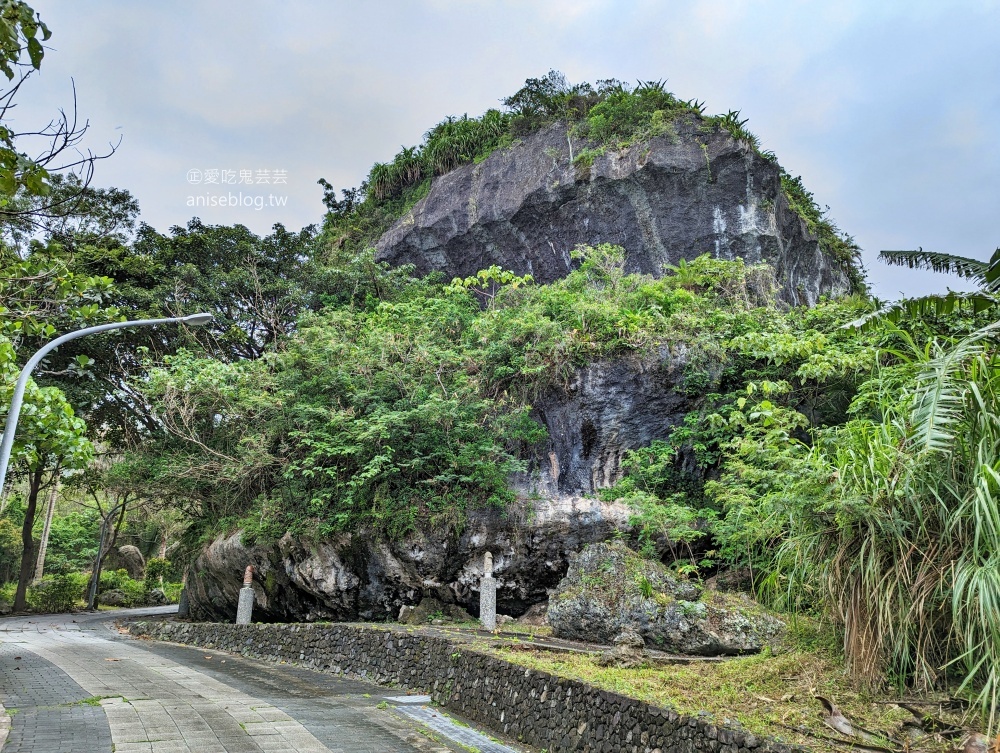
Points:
(887, 109)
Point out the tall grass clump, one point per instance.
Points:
(910, 555)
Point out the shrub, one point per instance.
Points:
(57, 593)
(7, 593)
(10, 549)
(157, 568)
(173, 592)
(112, 580)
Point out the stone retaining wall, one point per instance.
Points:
(540, 709)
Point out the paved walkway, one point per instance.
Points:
(72, 684)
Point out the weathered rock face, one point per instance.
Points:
(354, 577)
(610, 591)
(606, 409)
(527, 207)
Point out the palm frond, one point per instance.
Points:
(972, 269)
(942, 391)
(930, 305)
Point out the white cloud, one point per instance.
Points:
(884, 107)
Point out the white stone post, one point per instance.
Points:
(244, 609)
(488, 595)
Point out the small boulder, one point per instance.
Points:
(158, 597)
(133, 561)
(629, 651)
(455, 613)
(432, 610)
(428, 609)
(112, 598)
(611, 593)
(536, 615)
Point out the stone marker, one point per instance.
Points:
(244, 609)
(184, 606)
(488, 595)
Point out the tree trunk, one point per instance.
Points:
(44, 543)
(102, 551)
(163, 549)
(28, 548)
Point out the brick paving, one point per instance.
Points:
(46, 706)
(80, 687)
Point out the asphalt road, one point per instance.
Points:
(74, 684)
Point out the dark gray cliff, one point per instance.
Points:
(525, 208)
(604, 410)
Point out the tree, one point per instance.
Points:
(72, 215)
(50, 509)
(49, 437)
(20, 27)
(26, 195)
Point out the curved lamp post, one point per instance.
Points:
(195, 320)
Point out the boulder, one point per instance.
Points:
(112, 598)
(432, 611)
(610, 591)
(132, 561)
(157, 597)
(536, 615)
(629, 651)
(677, 196)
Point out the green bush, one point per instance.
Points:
(112, 580)
(57, 593)
(173, 592)
(10, 549)
(136, 592)
(157, 568)
(7, 591)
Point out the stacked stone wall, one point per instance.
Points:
(545, 711)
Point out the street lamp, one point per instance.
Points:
(195, 320)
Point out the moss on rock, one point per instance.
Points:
(610, 589)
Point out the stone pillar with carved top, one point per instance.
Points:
(244, 610)
(488, 595)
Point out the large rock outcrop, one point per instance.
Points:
(606, 409)
(610, 592)
(352, 577)
(525, 208)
